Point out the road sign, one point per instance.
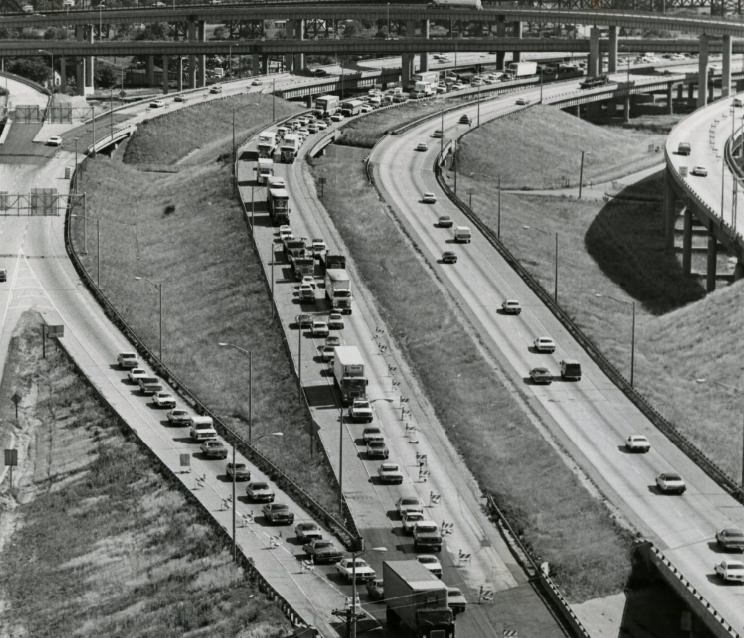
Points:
(11, 456)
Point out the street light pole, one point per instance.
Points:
(498, 212)
(581, 174)
(234, 502)
(555, 291)
(340, 460)
(441, 139)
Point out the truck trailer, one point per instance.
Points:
(266, 143)
(521, 69)
(264, 169)
(349, 373)
(289, 148)
(417, 600)
(338, 289)
(277, 200)
(326, 105)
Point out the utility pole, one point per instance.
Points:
(581, 174)
(498, 212)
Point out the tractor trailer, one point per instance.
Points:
(521, 69)
(349, 373)
(417, 600)
(338, 289)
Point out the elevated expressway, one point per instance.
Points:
(591, 418)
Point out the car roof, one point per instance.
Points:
(671, 476)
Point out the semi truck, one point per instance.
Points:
(326, 105)
(277, 200)
(303, 265)
(290, 145)
(521, 69)
(331, 260)
(350, 108)
(338, 289)
(349, 373)
(266, 143)
(416, 599)
(264, 169)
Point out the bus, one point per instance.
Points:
(350, 108)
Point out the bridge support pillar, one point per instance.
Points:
(62, 72)
(669, 97)
(592, 69)
(191, 36)
(166, 63)
(687, 242)
(90, 65)
(710, 274)
(702, 97)
(255, 64)
(626, 109)
(690, 92)
(424, 61)
(726, 66)
(407, 70)
(612, 52)
(668, 212)
(202, 68)
(180, 73)
(265, 64)
(517, 55)
(680, 92)
(150, 70)
(500, 34)
(298, 59)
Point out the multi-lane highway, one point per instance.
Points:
(591, 417)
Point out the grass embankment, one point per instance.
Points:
(556, 515)
(553, 142)
(101, 544)
(186, 231)
(616, 249)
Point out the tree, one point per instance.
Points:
(107, 76)
(31, 68)
(352, 28)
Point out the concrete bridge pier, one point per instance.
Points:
(726, 66)
(687, 242)
(180, 73)
(164, 79)
(668, 211)
(150, 70)
(255, 64)
(202, 68)
(90, 65)
(62, 72)
(191, 33)
(626, 109)
(738, 271)
(298, 59)
(690, 91)
(426, 31)
(612, 51)
(710, 272)
(408, 70)
(703, 71)
(517, 55)
(500, 33)
(680, 92)
(592, 69)
(669, 97)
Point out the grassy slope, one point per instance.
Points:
(103, 545)
(556, 515)
(213, 287)
(491, 151)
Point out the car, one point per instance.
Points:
(730, 539)
(429, 198)
(377, 449)
(522, 101)
(422, 146)
(543, 344)
(178, 417)
(303, 131)
(256, 82)
(449, 257)
(410, 519)
(355, 569)
(319, 73)
(214, 449)
(337, 117)
(326, 353)
(431, 563)
(670, 483)
(361, 410)
(511, 307)
(445, 221)
(312, 127)
(54, 140)
(375, 589)
(399, 98)
(164, 400)
(335, 321)
(237, 472)
(259, 492)
(322, 126)
(389, 474)
(372, 434)
(366, 108)
(637, 443)
(306, 292)
(309, 280)
(730, 571)
(304, 320)
(306, 532)
(284, 231)
(409, 504)
(149, 386)
(135, 374)
(465, 119)
(319, 328)
(438, 134)
(127, 360)
(180, 98)
(700, 171)
(277, 514)
(3, 274)
(457, 86)
(318, 246)
(215, 89)
(456, 601)
(322, 552)
(333, 341)
(157, 104)
(541, 376)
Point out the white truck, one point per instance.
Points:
(290, 145)
(326, 105)
(470, 4)
(349, 373)
(266, 143)
(338, 289)
(264, 169)
(521, 69)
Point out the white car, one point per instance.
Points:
(543, 344)
(522, 101)
(365, 108)
(178, 417)
(511, 307)
(306, 292)
(431, 563)
(372, 434)
(337, 117)
(457, 86)
(670, 483)
(422, 146)
(318, 246)
(320, 328)
(256, 82)
(700, 171)
(54, 140)
(429, 198)
(390, 474)
(322, 126)
(309, 280)
(410, 519)
(355, 569)
(135, 374)
(284, 231)
(335, 321)
(730, 571)
(156, 104)
(164, 400)
(409, 504)
(637, 443)
(259, 491)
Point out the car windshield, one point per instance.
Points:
(259, 486)
(672, 477)
(377, 444)
(409, 501)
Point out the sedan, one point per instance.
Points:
(541, 376)
(438, 133)
(372, 434)
(277, 514)
(377, 450)
(54, 140)
(178, 417)
(318, 246)
(180, 98)
(333, 341)
(335, 321)
(637, 443)
(256, 82)
(337, 117)
(284, 231)
(429, 198)
(326, 353)
(670, 483)
(322, 126)
(410, 519)
(543, 344)
(730, 571)
(320, 551)
(135, 374)
(522, 101)
(375, 589)
(389, 473)
(306, 532)
(422, 146)
(456, 601)
(259, 491)
(465, 119)
(156, 104)
(214, 449)
(511, 307)
(164, 400)
(215, 89)
(309, 280)
(700, 171)
(445, 221)
(237, 471)
(431, 563)
(320, 328)
(449, 257)
(730, 539)
(409, 504)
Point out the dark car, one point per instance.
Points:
(465, 119)
(449, 257)
(375, 589)
(541, 376)
(306, 532)
(239, 470)
(730, 539)
(214, 449)
(277, 514)
(322, 552)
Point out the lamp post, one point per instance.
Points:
(111, 112)
(51, 62)
(159, 286)
(101, 7)
(441, 139)
(498, 211)
(76, 162)
(632, 330)
(225, 344)
(388, 19)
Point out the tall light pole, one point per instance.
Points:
(632, 330)
(101, 7)
(225, 344)
(159, 286)
(441, 139)
(388, 20)
(76, 163)
(340, 460)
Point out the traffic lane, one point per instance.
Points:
(19, 147)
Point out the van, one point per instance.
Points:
(3, 274)
(738, 102)
(150, 385)
(202, 428)
(127, 360)
(219, 72)
(684, 148)
(463, 234)
(570, 370)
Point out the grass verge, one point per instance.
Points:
(555, 514)
(102, 545)
(187, 232)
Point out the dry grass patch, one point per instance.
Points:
(555, 514)
(102, 545)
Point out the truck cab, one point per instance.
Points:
(426, 535)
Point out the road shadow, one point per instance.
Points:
(320, 396)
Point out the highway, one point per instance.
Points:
(592, 418)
